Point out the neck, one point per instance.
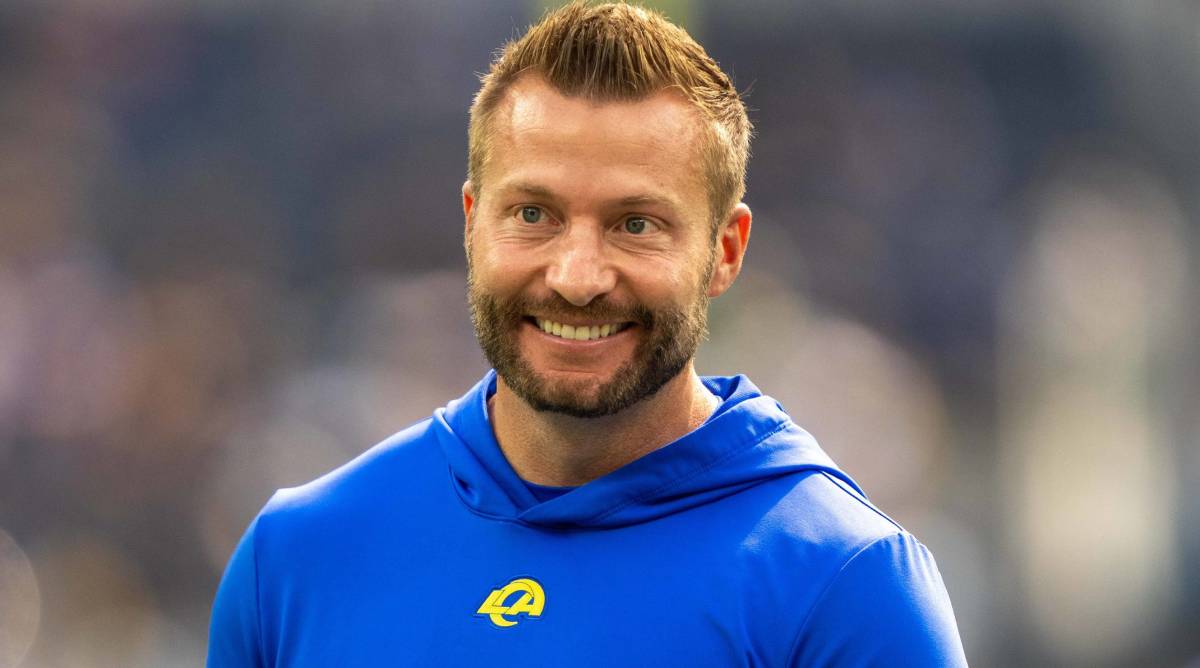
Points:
(560, 450)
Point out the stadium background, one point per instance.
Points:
(230, 259)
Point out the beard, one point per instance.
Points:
(670, 336)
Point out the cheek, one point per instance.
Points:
(504, 275)
(673, 279)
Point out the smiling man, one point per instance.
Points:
(592, 501)
(592, 252)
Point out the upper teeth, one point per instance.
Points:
(579, 333)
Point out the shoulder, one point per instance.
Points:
(314, 533)
(853, 586)
(400, 465)
(887, 605)
(874, 594)
(819, 517)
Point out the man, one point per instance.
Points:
(591, 502)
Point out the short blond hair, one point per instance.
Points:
(621, 52)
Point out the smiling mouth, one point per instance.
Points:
(578, 332)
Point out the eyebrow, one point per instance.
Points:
(630, 200)
(529, 189)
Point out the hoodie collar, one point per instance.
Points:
(748, 438)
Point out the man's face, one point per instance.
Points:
(592, 223)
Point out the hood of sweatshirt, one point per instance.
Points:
(747, 440)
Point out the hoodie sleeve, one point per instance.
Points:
(233, 638)
(886, 607)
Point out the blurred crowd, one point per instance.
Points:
(231, 259)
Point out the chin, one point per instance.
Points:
(568, 394)
(588, 398)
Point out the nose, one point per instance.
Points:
(580, 270)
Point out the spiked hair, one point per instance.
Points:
(620, 52)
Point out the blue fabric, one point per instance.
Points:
(739, 544)
(544, 493)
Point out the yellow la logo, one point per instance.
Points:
(530, 602)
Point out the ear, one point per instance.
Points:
(468, 196)
(731, 243)
(468, 199)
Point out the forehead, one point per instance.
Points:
(656, 140)
(532, 103)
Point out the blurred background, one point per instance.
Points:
(230, 259)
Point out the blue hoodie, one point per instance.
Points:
(739, 544)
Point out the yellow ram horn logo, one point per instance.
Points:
(530, 602)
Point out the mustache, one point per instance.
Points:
(556, 307)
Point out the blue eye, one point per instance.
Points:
(531, 214)
(635, 225)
